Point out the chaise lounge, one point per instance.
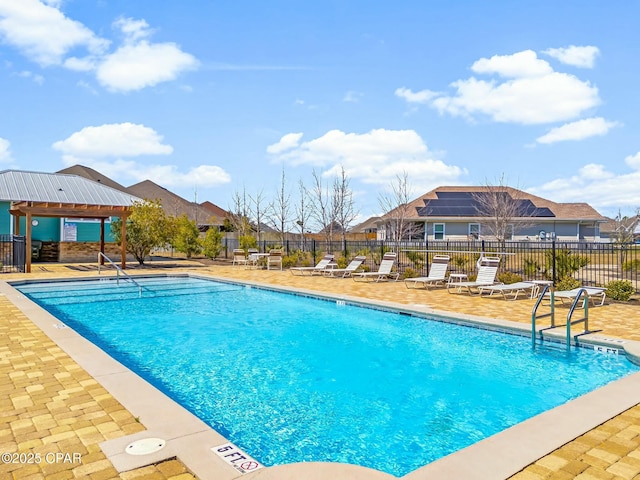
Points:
(384, 271)
(437, 274)
(487, 270)
(317, 270)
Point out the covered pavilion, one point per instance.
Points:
(37, 194)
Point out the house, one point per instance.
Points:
(67, 213)
(175, 205)
(369, 228)
(464, 213)
(205, 215)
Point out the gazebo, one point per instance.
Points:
(36, 194)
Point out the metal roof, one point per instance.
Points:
(21, 186)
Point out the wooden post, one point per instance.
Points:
(101, 241)
(28, 244)
(123, 244)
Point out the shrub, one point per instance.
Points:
(342, 262)
(509, 277)
(212, 243)
(289, 261)
(417, 258)
(632, 265)
(620, 290)
(531, 267)
(248, 241)
(567, 283)
(409, 273)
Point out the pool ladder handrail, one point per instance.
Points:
(118, 272)
(582, 292)
(585, 304)
(535, 316)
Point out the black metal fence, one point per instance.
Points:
(590, 263)
(12, 253)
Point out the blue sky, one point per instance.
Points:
(210, 98)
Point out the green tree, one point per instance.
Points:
(147, 228)
(212, 243)
(186, 236)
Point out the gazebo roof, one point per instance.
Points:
(56, 188)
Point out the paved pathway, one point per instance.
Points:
(49, 405)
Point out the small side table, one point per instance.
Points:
(537, 286)
(457, 278)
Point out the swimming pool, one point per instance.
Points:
(298, 379)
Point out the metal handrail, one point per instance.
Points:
(585, 319)
(118, 272)
(534, 315)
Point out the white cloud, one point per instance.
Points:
(375, 157)
(519, 65)
(529, 92)
(114, 140)
(583, 57)
(578, 130)
(43, 33)
(423, 96)
(352, 96)
(633, 161)
(603, 189)
(287, 142)
(133, 67)
(104, 147)
(5, 153)
(133, 30)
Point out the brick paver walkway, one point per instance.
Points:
(49, 405)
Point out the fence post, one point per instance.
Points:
(313, 249)
(553, 259)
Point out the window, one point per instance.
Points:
(508, 235)
(474, 231)
(438, 231)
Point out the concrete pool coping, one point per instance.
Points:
(190, 439)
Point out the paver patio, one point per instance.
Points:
(49, 405)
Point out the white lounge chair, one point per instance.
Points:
(595, 293)
(509, 291)
(384, 271)
(275, 259)
(317, 270)
(239, 257)
(345, 272)
(437, 273)
(487, 270)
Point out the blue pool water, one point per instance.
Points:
(289, 378)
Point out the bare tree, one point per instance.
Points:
(342, 202)
(502, 210)
(259, 210)
(280, 214)
(624, 232)
(396, 209)
(239, 213)
(624, 227)
(303, 211)
(322, 210)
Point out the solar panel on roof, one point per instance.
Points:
(470, 204)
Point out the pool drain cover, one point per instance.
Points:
(145, 446)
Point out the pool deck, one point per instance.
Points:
(58, 414)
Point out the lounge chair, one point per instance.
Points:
(239, 257)
(509, 291)
(437, 274)
(595, 293)
(274, 258)
(487, 270)
(317, 270)
(345, 272)
(384, 271)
